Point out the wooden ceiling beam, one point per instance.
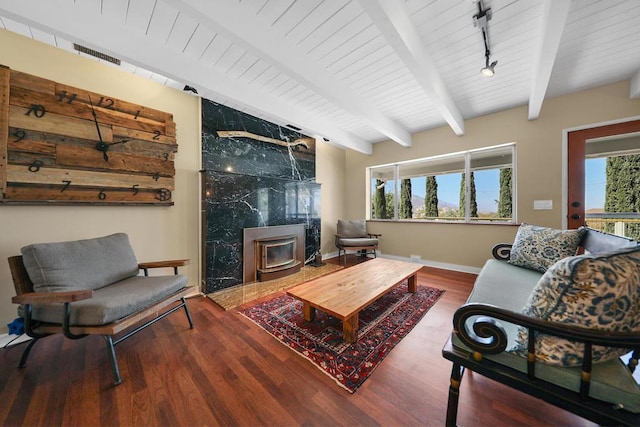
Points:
(554, 18)
(393, 20)
(255, 36)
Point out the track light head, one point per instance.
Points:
(489, 69)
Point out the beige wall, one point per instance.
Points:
(539, 173)
(155, 232)
(330, 172)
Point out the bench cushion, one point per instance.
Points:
(115, 301)
(359, 242)
(81, 264)
(538, 247)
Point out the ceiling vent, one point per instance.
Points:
(96, 54)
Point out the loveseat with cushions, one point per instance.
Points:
(551, 316)
(93, 287)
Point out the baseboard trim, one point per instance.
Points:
(427, 263)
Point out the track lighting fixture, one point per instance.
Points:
(481, 20)
(188, 88)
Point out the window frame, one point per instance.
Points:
(467, 156)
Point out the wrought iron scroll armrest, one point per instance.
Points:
(502, 251)
(492, 335)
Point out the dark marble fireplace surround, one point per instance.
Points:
(255, 174)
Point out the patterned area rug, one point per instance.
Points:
(382, 325)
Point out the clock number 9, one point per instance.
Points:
(102, 195)
(38, 110)
(19, 134)
(35, 166)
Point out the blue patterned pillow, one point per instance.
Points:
(595, 291)
(537, 248)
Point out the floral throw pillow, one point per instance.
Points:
(537, 248)
(594, 291)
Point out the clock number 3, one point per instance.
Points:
(38, 110)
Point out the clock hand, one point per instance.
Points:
(119, 142)
(100, 146)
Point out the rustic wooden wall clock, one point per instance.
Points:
(64, 145)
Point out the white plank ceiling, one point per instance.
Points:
(354, 72)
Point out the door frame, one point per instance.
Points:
(565, 159)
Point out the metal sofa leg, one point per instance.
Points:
(114, 361)
(454, 394)
(25, 353)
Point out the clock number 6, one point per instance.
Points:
(102, 195)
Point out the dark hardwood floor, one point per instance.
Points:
(228, 371)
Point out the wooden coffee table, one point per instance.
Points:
(345, 293)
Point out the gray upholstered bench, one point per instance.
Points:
(93, 286)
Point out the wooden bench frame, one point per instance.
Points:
(37, 330)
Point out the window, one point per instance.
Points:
(437, 188)
(612, 185)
